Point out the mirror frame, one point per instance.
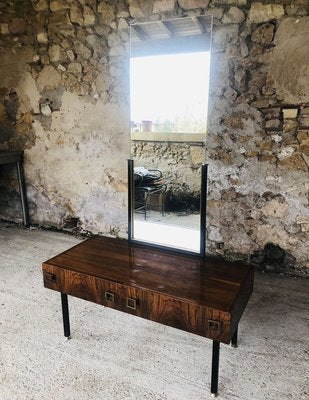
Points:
(203, 201)
(203, 191)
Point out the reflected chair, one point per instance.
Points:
(147, 185)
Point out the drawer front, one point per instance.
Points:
(156, 307)
(190, 317)
(110, 294)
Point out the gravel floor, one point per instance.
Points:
(115, 356)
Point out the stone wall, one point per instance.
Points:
(64, 99)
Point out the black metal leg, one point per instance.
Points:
(163, 204)
(65, 315)
(234, 338)
(22, 189)
(146, 203)
(215, 367)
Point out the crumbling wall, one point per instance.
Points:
(64, 99)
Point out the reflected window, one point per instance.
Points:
(169, 93)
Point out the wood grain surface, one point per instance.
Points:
(181, 291)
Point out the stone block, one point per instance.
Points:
(58, 21)
(302, 219)
(288, 63)
(236, 2)
(162, 6)
(17, 26)
(304, 122)
(45, 109)
(261, 103)
(82, 51)
(298, 8)
(294, 162)
(197, 155)
(89, 16)
(224, 35)
(192, 4)
(140, 8)
(48, 78)
(216, 12)
(286, 152)
(264, 34)
(42, 5)
(272, 124)
(260, 12)
(240, 79)
(122, 24)
(76, 15)
(75, 68)
(303, 135)
(2, 112)
(290, 113)
(42, 38)
(304, 148)
(289, 125)
(57, 5)
(275, 209)
(305, 228)
(4, 29)
(234, 16)
(107, 13)
(56, 54)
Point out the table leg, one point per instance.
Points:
(215, 368)
(234, 338)
(22, 189)
(65, 315)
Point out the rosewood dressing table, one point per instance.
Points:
(200, 295)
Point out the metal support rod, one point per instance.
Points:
(22, 189)
(234, 338)
(65, 315)
(215, 367)
(130, 198)
(204, 173)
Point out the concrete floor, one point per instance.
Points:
(115, 356)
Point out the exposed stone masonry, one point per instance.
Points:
(64, 99)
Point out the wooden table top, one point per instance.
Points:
(205, 281)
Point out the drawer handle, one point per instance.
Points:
(110, 297)
(214, 325)
(131, 303)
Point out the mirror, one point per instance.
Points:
(169, 79)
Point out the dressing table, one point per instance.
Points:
(156, 274)
(200, 295)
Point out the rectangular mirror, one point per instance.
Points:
(169, 78)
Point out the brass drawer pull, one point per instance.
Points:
(110, 297)
(214, 325)
(51, 277)
(131, 303)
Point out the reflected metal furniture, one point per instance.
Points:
(147, 186)
(203, 198)
(16, 157)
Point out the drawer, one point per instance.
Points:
(157, 307)
(110, 294)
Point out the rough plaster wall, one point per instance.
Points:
(64, 87)
(71, 115)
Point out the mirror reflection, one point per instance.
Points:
(169, 79)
